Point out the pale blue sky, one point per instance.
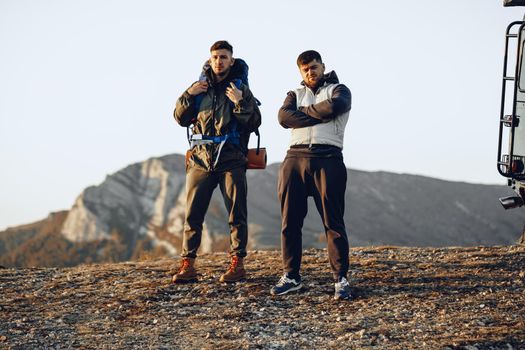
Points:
(88, 87)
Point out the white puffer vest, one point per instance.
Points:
(330, 133)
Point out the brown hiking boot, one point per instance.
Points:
(187, 272)
(236, 271)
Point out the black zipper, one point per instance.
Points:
(214, 102)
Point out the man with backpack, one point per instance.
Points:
(222, 112)
(317, 113)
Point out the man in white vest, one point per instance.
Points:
(317, 113)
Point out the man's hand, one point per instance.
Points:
(198, 88)
(234, 94)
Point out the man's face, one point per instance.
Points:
(221, 61)
(312, 72)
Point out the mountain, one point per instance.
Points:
(139, 212)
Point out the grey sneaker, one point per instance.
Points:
(286, 285)
(342, 289)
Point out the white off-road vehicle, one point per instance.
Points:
(511, 145)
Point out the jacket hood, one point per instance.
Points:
(331, 78)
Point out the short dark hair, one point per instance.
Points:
(307, 57)
(221, 45)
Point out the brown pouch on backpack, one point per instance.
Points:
(256, 158)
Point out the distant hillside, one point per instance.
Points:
(139, 211)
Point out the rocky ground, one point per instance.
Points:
(406, 298)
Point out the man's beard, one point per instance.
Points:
(221, 75)
(312, 85)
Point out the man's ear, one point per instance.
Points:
(233, 61)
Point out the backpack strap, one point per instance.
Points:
(233, 136)
(200, 139)
(258, 141)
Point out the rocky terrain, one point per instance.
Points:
(406, 298)
(139, 211)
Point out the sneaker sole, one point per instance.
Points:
(293, 289)
(350, 297)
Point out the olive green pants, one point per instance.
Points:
(200, 185)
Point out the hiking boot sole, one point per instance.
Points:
(293, 289)
(183, 281)
(233, 280)
(242, 279)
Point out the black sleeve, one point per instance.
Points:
(326, 110)
(290, 117)
(185, 112)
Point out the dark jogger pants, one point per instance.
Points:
(199, 189)
(325, 180)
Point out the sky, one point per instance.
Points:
(89, 87)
